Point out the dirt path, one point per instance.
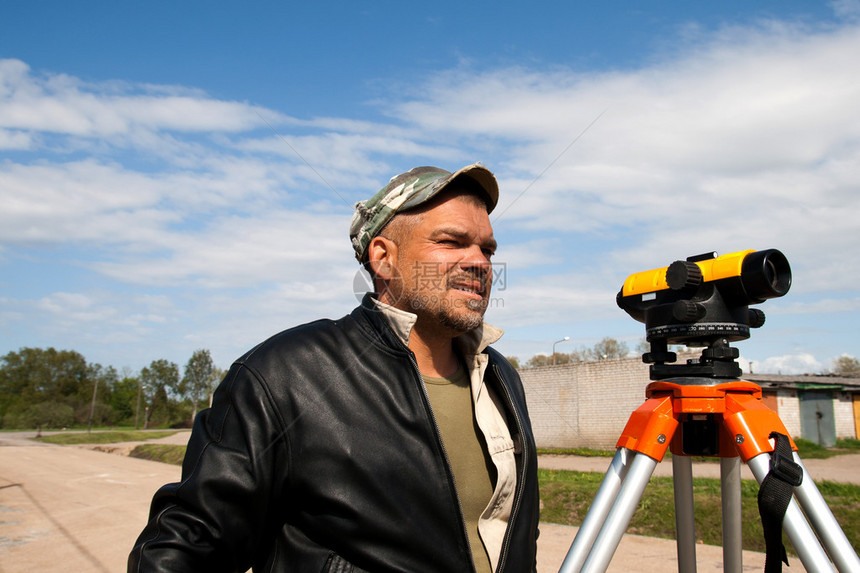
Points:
(72, 509)
(77, 509)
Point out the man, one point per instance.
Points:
(393, 439)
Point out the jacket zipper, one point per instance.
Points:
(518, 495)
(446, 460)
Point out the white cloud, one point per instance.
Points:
(298, 248)
(819, 306)
(846, 9)
(77, 201)
(747, 138)
(790, 364)
(550, 299)
(66, 318)
(11, 139)
(761, 114)
(63, 104)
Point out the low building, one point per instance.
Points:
(817, 408)
(587, 404)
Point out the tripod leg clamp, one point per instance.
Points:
(774, 495)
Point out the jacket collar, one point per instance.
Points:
(402, 322)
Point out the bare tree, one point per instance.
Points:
(605, 349)
(846, 365)
(609, 348)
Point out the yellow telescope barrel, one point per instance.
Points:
(725, 266)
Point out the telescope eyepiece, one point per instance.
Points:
(765, 274)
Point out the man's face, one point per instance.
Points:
(444, 267)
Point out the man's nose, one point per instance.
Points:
(476, 257)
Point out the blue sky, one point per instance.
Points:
(176, 176)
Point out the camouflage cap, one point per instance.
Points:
(408, 191)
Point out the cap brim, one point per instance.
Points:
(477, 173)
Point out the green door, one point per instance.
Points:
(817, 422)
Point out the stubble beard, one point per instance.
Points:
(459, 315)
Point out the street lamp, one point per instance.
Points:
(566, 338)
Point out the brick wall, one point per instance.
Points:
(843, 411)
(587, 404)
(584, 404)
(788, 408)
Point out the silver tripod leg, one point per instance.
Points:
(794, 524)
(730, 490)
(824, 524)
(685, 522)
(609, 515)
(598, 511)
(619, 516)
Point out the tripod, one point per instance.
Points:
(702, 415)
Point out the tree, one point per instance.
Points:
(580, 355)
(556, 359)
(217, 376)
(157, 380)
(95, 394)
(605, 349)
(42, 415)
(123, 398)
(33, 376)
(198, 379)
(609, 348)
(538, 360)
(846, 365)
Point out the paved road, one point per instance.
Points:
(76, 509)
(72, 509)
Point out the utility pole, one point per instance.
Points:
(93, 406)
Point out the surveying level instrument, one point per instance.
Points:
(703, 408)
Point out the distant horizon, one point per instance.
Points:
(683, 354)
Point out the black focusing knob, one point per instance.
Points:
(683, 275)
(756, 318)
(687, 311)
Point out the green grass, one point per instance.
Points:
(166, 453)
(588, 452)
(808, 450)
(805, 448)
(567, 495)
(109, 437)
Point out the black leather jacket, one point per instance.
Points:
(320, 453)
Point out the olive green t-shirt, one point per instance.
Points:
(451, 400)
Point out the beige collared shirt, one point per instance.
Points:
(488, 415)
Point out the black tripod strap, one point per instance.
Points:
(774, 495)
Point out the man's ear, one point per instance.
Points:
(382, 257)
